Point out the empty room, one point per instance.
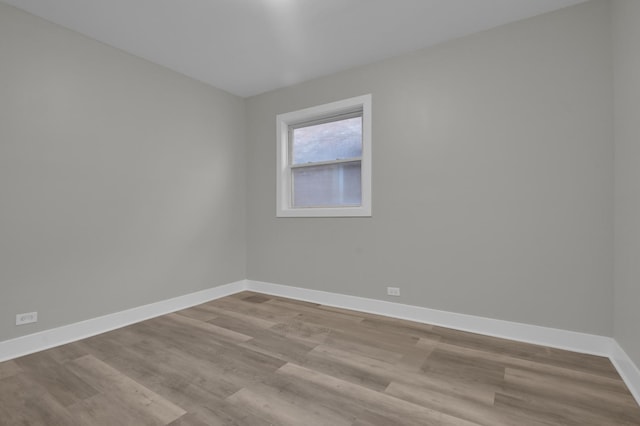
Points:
(320, 212)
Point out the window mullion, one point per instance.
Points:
(325, 163)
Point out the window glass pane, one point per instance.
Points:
(328, 141)
(328, 185)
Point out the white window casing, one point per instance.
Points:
(333, 111)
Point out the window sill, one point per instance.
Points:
(325, 212)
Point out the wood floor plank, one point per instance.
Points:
(464, 367)
(551, 412)
(461, 388)
(300, 330)
(275, 345)
(197, 312)
(26, 402)
(132, 398)
(397, 327)
(414, 358)
(204, 407)
(311, 310)
(364, 347)
(370, 338)
(539, 367)
(210, 329)
(190, 419)
(280, 408)
(585, 404)
(60, 382)
(358, 369)
(259, 310)
(530, 414)
(565, 389)
(404, 412)
(253, 359)
(106, 410)
(244, 322)
(8, 369)
(68, 352)
(170, 369)
(483, 414)
(369, 418)
(526, 351)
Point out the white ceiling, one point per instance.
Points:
(248, 47)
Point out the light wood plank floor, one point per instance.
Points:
(251, 359)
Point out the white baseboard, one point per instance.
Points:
(35, 342)
(556, 338)
(552, 337)
(626, 368)
(562, 339)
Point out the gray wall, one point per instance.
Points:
(121, 182)
(492, 178)
(626, 16)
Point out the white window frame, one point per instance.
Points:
(284, 206)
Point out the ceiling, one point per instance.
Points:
(247, 47)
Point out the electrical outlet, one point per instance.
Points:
(26, 318)
(393, 291)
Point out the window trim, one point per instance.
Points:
(319, 113)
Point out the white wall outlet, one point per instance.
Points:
(27, 318)
(393, 291)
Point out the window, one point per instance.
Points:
(324, 160)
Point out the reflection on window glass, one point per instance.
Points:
(328, 141)
(328, 185)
